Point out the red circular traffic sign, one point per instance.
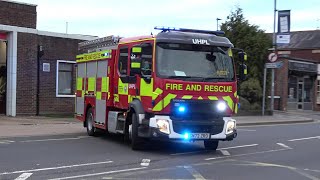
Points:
(272, 57)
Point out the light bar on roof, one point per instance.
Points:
(165, 29)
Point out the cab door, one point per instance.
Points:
(121, 81)
(141, 70)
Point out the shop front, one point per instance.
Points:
(301, 78)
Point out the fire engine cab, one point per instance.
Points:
(180, 84)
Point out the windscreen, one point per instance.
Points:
(194, 61)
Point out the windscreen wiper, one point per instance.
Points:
(216, 79)
(186, 77)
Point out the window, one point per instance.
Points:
(318, 90)
(64, 81)
(123, 61)
(146, 64)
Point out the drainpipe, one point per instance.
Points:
(39, 55)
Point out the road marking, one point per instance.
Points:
(225, 152)
(60, 139)
(249, 130)
(296, 170)
(233, 147)
(239, 155)
(23, 176)
(194, 173)
(312, 170)
(145, 162)
(97, 174)
(6, 142)
(315, 137)
(53, 168)
(242, 146)
(283, 145)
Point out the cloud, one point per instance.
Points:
(127, 17)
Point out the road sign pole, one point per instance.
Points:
(264, 90)
(275, 46)
(272, 91)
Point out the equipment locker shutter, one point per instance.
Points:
(102, 91)
(80, 86)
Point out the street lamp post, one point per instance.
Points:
(218, 19)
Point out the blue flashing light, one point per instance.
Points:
(186, 136)
(165, 29)
(181, 109)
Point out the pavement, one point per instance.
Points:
(22, 126)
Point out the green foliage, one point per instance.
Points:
(249, 37)
(251, 90)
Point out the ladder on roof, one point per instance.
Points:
(98, 44)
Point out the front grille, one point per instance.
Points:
(182, 127)
(201, 110)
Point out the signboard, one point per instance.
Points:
(283, 35)
(46, 67)
(283, 38)
(302, 66)
(284, 21)
(3, 36)
(275, 65)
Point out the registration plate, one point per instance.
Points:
(200, 136)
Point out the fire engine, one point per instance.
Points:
(180, 84)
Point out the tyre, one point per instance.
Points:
(211, 145)
(91, 130)
(136, 141)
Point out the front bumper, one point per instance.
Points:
(152, 131)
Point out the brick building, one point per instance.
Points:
(36, 67)
(297, 83)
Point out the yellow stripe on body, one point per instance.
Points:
(167, 99)
(135, 65)
(116, 97)
(122, 88)
(229, 101)
(99, 95)
(164, 103)
(187, 97)
(105, 84)
(145, 88)
(79, 83)
(214, 98)
(156, 93)
(93, 56)
(91, 83)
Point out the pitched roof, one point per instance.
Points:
(303, 40)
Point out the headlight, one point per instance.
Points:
(231, 126)
(222, 106)
(163, 126)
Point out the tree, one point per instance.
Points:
(255, 43)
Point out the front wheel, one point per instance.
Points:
(211, 145)
(136, 141)
(91, 130)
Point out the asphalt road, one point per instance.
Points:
(260, 152)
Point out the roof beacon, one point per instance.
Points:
(166, 29)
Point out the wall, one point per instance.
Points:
(18, 14)
(55, 49)
(281, 86)
(281, 83)
(26, 73)
(3, 53)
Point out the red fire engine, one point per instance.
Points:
(180, 84)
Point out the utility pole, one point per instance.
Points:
(275, 51)
(67, 27)
(218, 19)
